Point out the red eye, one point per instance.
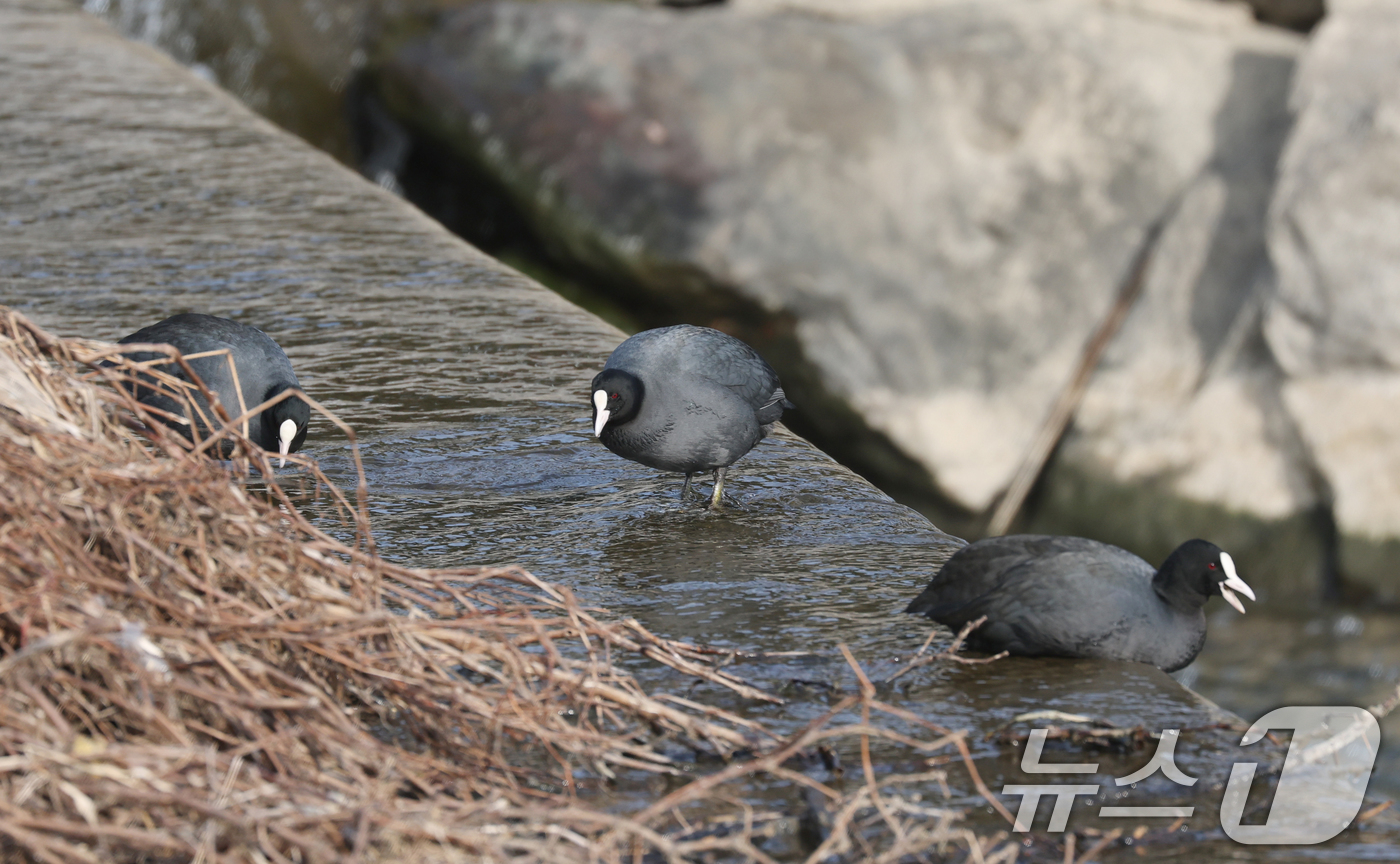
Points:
(1212, 565)
(615, 396)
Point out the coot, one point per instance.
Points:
(263, 372)
(685, 399)
(1072, 597)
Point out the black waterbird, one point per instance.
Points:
(262, 368)
(685, 399)
(1072, 597)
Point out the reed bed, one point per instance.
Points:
(194, 671)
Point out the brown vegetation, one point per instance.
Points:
(192, 669)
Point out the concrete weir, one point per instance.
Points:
(130, 189)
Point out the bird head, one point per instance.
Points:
(617, 396)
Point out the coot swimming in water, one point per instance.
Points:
(263, 372)
(685, 399)
(1072, 597)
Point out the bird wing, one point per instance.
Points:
(1002, 564)
(974, 570)
(711, 355)
(257, 356)
(738, 367)
(1019, 581)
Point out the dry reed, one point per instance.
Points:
(192, 671)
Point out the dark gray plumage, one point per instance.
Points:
(685, 399)
(1072, 597)
(263, 372)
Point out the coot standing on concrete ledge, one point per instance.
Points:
(1072, 597)
(263, 372)
(685, 399)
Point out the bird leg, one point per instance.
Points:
(719, 488)
(685, 487)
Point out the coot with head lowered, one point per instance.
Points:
(1072, 597)
(263, 371)
(685, 399)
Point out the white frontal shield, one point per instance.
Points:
(600, 399)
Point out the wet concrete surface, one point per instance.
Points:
(131, 190)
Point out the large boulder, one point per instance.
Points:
(1182, 431)
(920, 210)
(1334, 323)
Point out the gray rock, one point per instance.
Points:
(932, 204)
(1334, 236)
(1182, 431)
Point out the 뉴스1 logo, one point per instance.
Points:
(1319, 792)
